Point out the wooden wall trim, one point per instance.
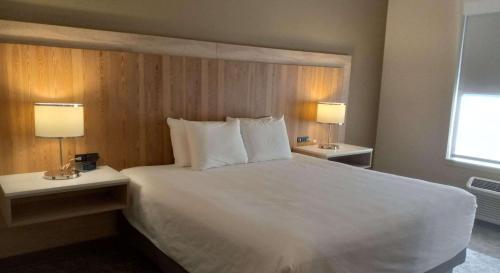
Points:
(280, 56)
(128, 95)
(52, 35)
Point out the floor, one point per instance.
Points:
(111, 256)
(483, 255)
(102, 256)
(486, 239)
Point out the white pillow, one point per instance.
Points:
(265, 139)
(215, 144)
(180, 144)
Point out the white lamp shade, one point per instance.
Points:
(58, 120)
(331, 112)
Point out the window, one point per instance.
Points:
(475, 125)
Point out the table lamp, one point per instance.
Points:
(59, 120)
(330, 113)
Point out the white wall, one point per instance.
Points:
(420, 60)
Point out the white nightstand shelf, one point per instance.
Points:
(348, 154)
(28, 198)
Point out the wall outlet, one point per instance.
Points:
(302, 139)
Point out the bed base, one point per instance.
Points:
(166, 264)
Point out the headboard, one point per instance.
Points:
(128, 94)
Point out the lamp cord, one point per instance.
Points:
(67, 165)
(61, 154)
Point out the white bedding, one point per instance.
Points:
(301, 215)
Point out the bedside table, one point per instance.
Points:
(348, 154)
(29, 198)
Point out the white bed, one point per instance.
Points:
(301, 215)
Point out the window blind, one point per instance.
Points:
(475, 131)
(480, 71)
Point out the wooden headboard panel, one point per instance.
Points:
(127, 96)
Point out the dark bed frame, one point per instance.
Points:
(134, 238)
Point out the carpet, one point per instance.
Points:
(112, 256)
(100, 256)
(478, 263)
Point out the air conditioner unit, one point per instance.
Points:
(487, 193)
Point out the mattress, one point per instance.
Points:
(303, 215)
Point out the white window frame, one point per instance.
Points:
(462, 160)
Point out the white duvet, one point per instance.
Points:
(300, 215)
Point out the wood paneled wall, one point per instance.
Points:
(128, 95)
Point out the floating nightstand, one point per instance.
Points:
(348, 154)
(28, 198)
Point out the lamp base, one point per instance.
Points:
(329, 146)
(61, 174)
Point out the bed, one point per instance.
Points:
(302, 215)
